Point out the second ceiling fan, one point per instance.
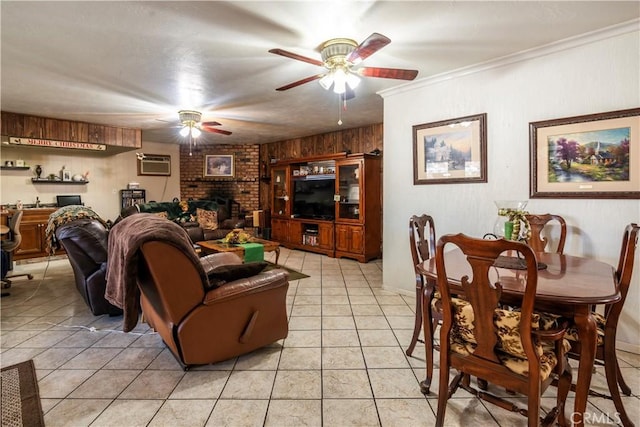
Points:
(340, 58)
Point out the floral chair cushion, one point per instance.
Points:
(509, 349)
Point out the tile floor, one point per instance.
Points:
(343, 363)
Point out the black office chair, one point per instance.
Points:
(11, 244)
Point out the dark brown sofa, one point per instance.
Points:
(185, 215)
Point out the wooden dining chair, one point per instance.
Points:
(479, 338)
(540, 239)
(607, 325)
(422, 241)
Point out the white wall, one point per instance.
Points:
(107, 175)
(596, 73)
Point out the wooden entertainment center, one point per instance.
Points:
(328, 204)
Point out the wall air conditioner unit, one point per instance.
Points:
(154, 164)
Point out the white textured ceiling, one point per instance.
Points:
(135, 64)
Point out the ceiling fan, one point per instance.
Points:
(341, 58)
(192, 124)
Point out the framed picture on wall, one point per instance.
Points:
(595, 156)
(217, 165)
(450, 151)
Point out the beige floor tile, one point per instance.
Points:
(362, 299)
(391, 300)
(294, 413)
(200, 385)
(165, 361)
(303, 339)
(377, 338)
(152, 385)
(366, 310)
(82, 339)
(397, 310)
(301, 323)
(350, 412)
(16, 355)
(133, 358)
(60, 383)
(405, 412)
(297, 358)
(92, 358)
(249, 385)
(298, 385)
(266, 358)
(371, 322)
(240, 413)
(385, 357)
(467, 412)
(130, 413)
(183, 413)
(394, 384)
(338, 291)
(105, 384)
(342, 358)
(53, 357)
(345, 384)
(75, 412)
(340, 338)
(336, 310)
(338, 322)
(306, 310)
(401, 322)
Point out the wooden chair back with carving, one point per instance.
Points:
(422, 242)
(539, 241)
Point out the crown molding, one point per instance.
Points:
(525, 55)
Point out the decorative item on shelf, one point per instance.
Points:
(8, 163)
(20, 163)
(38, 171)
(65, 174)
(512, 223)
(19, 205)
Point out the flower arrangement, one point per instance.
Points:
(236, 236)
(516, 219)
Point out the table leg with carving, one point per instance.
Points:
(587, 332)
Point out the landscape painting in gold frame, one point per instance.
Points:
(450, 151)
(595, 156)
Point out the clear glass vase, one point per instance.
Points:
(502, 226)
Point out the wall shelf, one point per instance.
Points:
(15, 168)
(54, 181)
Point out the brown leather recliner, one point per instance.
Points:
(203, 326)
(85, 242)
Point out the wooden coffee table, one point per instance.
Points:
(214, 246)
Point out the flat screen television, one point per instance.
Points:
(313, 199)
(68, 200)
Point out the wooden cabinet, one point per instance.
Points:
(32, 228)
(350, 240)
(329, 204)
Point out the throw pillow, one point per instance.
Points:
(207, 219)
(228, 273)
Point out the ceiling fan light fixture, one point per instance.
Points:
(184, 131)
(352, 80)
(326, 81)
(195, 132)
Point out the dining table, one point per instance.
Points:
(567, 285)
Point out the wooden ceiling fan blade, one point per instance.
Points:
(368, 47)
(388, 73)
(300, 82)
(296, 56)
(211, 124)
(216, 130)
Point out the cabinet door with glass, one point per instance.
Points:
(279, 191)
(349, 188)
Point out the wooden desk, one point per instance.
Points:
(568, 286)
(213, 246)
